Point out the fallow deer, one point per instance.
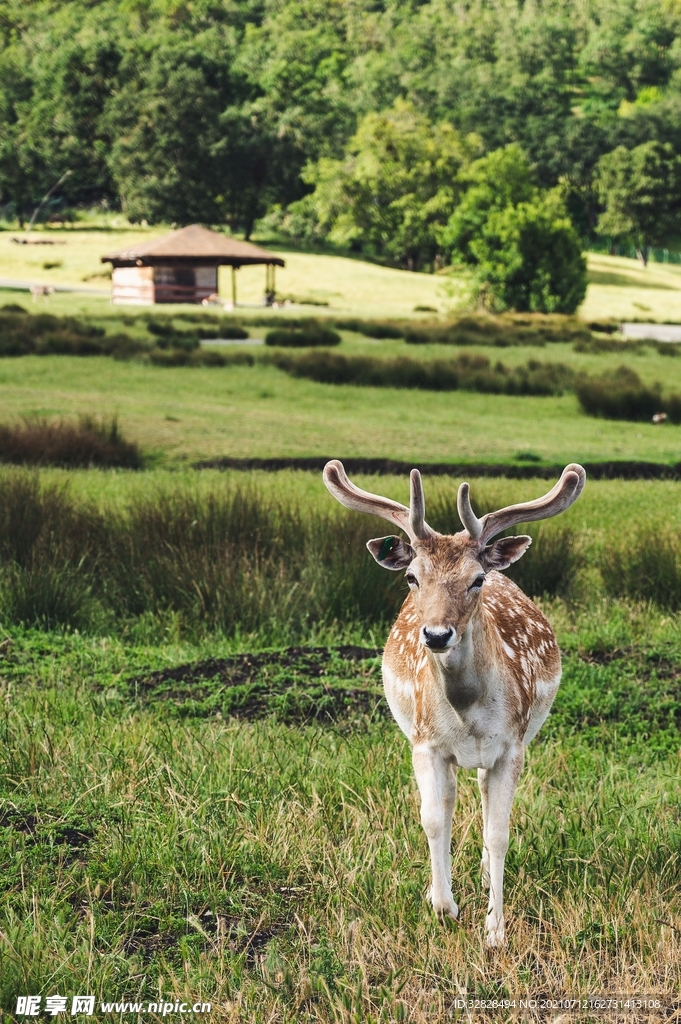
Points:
(471, 666)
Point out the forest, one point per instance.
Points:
(420, 133)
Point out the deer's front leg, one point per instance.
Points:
(437, 786)
(498, 786)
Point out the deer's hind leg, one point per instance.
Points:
(436, 780)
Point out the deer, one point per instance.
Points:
(471, 665)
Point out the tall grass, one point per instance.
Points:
(87, 442)
(234, 560)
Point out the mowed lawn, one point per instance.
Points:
(619, 288)
(346, 285)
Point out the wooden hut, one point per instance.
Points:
(183, 267)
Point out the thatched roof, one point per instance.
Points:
(196, 245)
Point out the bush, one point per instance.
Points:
(88, 442)
(621, 395)
(310, 337)
(24, 333)
(199, 357)
(529, 258)
(466, 373)
(223, 330)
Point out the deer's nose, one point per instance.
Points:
(436, 637)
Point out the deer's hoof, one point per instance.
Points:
(445, 908)
(496, 936)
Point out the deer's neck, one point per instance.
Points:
(463, 671)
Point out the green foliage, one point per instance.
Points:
(622, 395)
(530, 259)
(502, 178)
(371, 328)
(23, 333)
(395, 184)
(641, 189)
(225, 113)
(525, 253)
(500, 331)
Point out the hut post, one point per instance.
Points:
(233, 286)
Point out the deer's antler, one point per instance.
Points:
(411, 520)
(558, 499)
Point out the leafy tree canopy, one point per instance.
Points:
(213, 109)
(529, 258)
(397, 181)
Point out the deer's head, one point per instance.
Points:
(446, 573)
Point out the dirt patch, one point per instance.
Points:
(61, 834)
(297, 684)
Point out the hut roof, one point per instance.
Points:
(197, 244)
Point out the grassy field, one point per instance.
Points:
(245, 831)
(184, 414)
(279, 871)
(190, 810)
(347, 285)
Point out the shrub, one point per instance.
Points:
(530, 258)
(223, 330)
(88, 442)
(310, 337)
(199, 357)
(23, 333)
(621, 395)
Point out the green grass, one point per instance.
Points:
(245, 830)
(187, 414)
(280, 871)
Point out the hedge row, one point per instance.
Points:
(466, 373)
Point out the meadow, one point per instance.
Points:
(180, 415)
(202, 795)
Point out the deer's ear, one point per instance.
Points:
(504, 552)
(391, 552)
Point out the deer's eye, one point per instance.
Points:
(477, 582)
(411, 579)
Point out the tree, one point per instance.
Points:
(395, 188)
(641, 192)
(500, 179)
(529, 258)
